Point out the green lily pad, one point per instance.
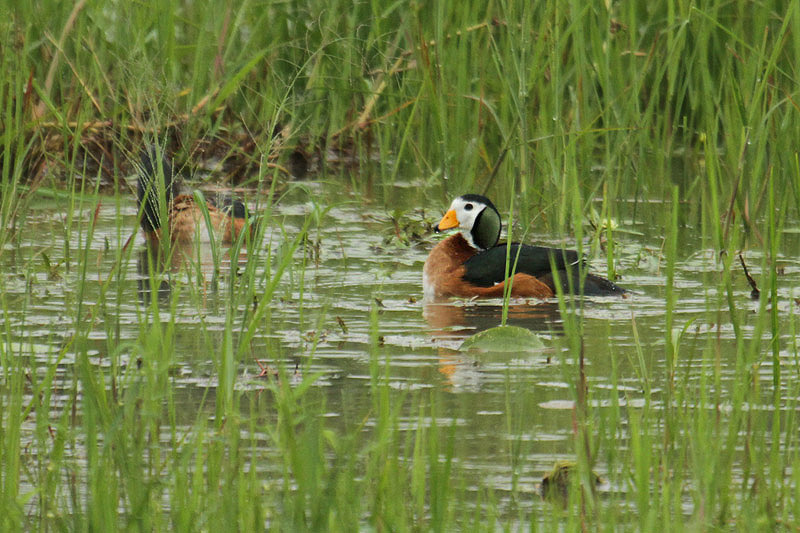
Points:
(555, 484)
(504, 339)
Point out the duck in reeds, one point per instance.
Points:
(472, 264)
(228, 216)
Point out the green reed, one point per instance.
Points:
(552, 108)
(440, 90)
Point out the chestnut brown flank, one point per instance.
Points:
(445, 270)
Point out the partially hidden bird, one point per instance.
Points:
(171, 210)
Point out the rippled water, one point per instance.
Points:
(319, 322)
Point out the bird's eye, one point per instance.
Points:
(468, 207)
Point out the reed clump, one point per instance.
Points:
(592, 121)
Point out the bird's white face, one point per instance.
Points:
(462, 214)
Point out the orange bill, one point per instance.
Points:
(449, 220)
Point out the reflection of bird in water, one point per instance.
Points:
(452, 322)
(147, 284)
(459, 319)
(473, 264)
(167, 207)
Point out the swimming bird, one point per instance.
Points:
(184, 216)
(471, 263)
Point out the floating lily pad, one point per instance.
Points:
(504, 339)
(555, 484)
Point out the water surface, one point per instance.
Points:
(511, 414)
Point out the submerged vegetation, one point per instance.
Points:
(627, 129)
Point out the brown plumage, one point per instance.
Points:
(185, 216)
(185, 219)
(444, 273)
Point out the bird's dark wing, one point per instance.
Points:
(486, 268)
(593, 285)
(150, 197)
